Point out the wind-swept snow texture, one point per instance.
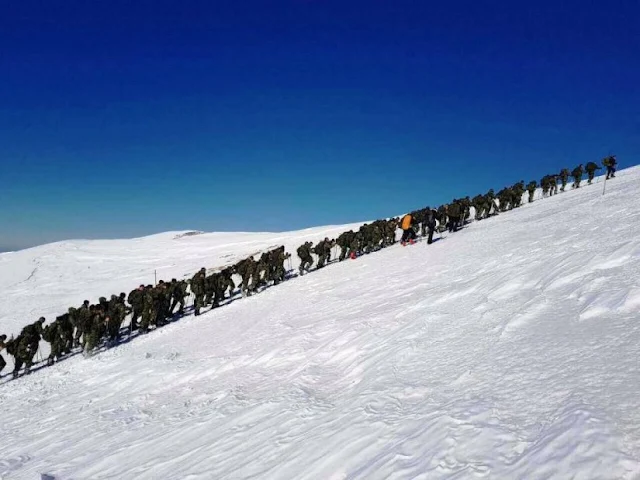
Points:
(508, 350)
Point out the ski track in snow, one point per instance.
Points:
(507, 350)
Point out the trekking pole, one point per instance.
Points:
(604, 185)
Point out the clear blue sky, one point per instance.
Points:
(125, 118)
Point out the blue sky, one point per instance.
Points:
(128, 118)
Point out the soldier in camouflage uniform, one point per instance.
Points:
(278, 269)
(198, 289)
(306, 259)
(564, 178)
(591, 168)
(478, 205)
(209, 288)
(344, 241)
(491, 202)
(321, 249)
(117, 312)
(52, 334)
(149, 312)
(390, 231)
(96, 328)
(245, 270)
(531, 188)
(454, 212)
(179, 293)
(262, 274)
(577, 176)
(27, 346)
(135, 300)
(518, 191)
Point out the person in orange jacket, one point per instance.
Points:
(408, 234)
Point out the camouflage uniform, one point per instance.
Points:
(117, 313)
(149, 312)
(245, 270)
(52, 334)
(27, 346)
(577, 176)
(96, 330)
(591, 168)
(198, 289)
(564, 178)
(135, 300)
(179, 293)
(531, 188)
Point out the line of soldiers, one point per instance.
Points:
(254, 274)
(89, 326)
(549, 183)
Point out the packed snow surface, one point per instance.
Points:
(507, 350)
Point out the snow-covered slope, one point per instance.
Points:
(507, 350)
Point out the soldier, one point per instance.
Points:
(610, 162)
(245, 270)
(454, 212)
(262, 273)
(96, 328)
(279, 272)
(198, 289)
(162, 302)
(3, 362)
(564, 178)
(149, 313)
(220, 286)
(591, 168)
(27, 346)
(343, 241)
(390, 232)
(553, 184)
(491, 203)
(116, 313)
(209, 288)
(465, 208)
(65, 329)
(83, 318)
(431, 225)
(321, 251)
(531, 188)
(478, 205)
(227, 274)
(577, 176)
(51, 334)
(135, 300)
(179, 293)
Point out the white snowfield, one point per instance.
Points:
(508, 350)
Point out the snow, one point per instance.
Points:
(507, 350)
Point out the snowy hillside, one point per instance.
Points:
(507, 350)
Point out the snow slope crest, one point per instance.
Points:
(507, 350)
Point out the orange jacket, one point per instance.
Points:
(406, 221)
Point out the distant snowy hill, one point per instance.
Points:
(508, 350)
